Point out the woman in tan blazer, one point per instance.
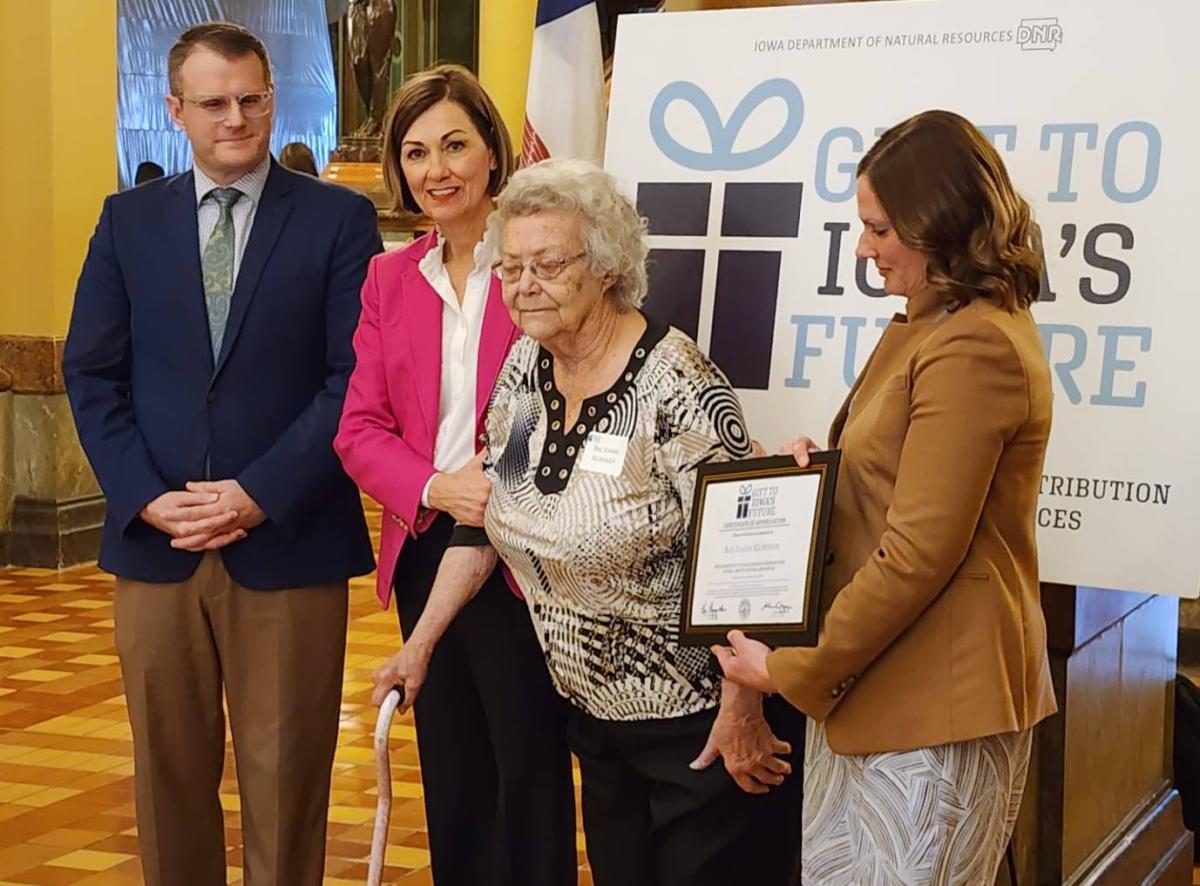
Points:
(931, 669)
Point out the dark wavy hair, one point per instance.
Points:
(947, 194)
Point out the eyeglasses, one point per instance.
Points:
(217, 107)
(543, 267)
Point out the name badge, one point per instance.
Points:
(604, 453)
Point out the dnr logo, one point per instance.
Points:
(1034, 34)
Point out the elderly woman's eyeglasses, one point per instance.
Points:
(543, 267)
(217, 107)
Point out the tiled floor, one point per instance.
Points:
(66, 787)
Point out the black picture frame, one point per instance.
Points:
(804, 630)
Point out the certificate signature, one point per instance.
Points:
(778, 607)
(712, 611)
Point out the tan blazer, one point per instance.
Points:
(933, 629)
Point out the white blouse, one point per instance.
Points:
(461, 329)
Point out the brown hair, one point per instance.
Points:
(416, 96)
(226, 39)
(947, 194)
(298, 157)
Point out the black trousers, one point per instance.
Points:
(499, 801)
(652, 821)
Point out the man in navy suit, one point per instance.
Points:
(206, 362)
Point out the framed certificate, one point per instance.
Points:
(756, 549)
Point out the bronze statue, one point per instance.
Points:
(372, 31)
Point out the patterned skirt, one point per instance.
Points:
(937, 816)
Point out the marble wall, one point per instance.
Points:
(50, 462)
(33, 363)
(7, 465)
(50, 503)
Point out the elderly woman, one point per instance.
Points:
(931, 670)
(599, 419)
(433, 334)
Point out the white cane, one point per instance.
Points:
(383, 773)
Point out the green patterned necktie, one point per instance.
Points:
(217, 266)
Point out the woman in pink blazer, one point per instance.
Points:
(432, 337)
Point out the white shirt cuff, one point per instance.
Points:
(425, 491)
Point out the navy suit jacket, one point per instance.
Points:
(154, 410)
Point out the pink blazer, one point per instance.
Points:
(390, 419)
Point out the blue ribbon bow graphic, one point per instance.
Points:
(722, 136)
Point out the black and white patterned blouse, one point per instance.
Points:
(597, 542)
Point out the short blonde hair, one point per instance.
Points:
(613, 233)
(231, 42)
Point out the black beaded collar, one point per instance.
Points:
(562, 445)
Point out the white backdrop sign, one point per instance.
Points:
(738, 132)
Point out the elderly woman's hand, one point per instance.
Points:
(742, 738)
(799, 450)
(406, 668)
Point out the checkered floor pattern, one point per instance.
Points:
(66, 786)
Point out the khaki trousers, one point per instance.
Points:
(279, 657)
